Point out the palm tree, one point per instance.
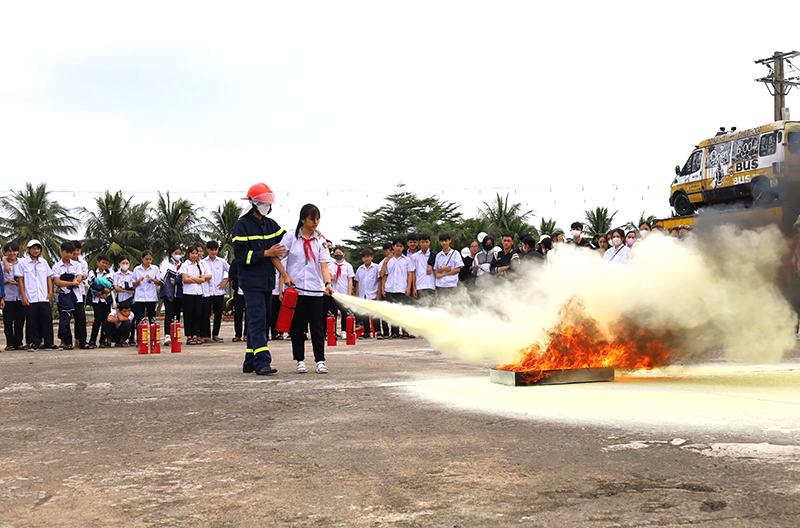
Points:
(642, 219)
(546, 227)
(506, 218)
(220, 226)
(115, 228)
(598, 221)
(173, 223)
(30, 214)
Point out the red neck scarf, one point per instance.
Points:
(307, 249)
(338, 272)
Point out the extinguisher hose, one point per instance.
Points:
(305, 290)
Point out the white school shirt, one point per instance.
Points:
(74, 267)
(146, 291)
(277, 289)
(218, 268)
(423, 281)
(345, 271)
(12, 290)
(114, 314)
(35, 275)
(120, 278)
(622, 257)
(85, 272)
(193, 269)
(397, 274)
(368, 279)
(94, 275)
(452, 259)
(306, 274)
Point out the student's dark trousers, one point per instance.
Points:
(80, 323)
(238, 314)
(308, 312)
(14, 320)
(117, 335)
(192, 314)
(172, 312)
(212, 304)
(139, 309)
(39, 324)
(399, 298)
(101, 311)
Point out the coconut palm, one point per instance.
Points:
(598, 221)
(31, 214)
(642, 219)
(546, 227)
(173, 223)
(116, 227)
(505, 217)
(220, 226)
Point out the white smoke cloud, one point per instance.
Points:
(715, 291)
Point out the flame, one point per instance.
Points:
(578, 342)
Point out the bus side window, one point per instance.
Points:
(769, 144)
(793, 139)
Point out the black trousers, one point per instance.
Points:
(308, 312)
(238, 314)
(14, 320)
(172, 312)
(192, 315)
(117, 335)
(399, 298)
(212, 305)
(101, 311)
(139, 309)
(39, 319)
(276, 309)
(80, 323)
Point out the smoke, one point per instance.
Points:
(709, 291)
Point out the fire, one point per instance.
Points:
(577, 342)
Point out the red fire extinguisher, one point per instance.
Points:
(175, 337)
(143, 338)
(351, 331)
(331, 331)
(286, 314)
(372, 327)
(155, 338)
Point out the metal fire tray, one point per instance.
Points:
(551, 377)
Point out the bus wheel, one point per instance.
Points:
(683, 206)
(759, 188)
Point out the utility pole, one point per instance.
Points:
(777, 82)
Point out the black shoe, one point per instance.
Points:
(266, 370)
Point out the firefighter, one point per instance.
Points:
(257, 250)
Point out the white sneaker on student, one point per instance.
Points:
(321, 368)
(167, 340)
(301, 367)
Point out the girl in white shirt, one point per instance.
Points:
(619, 252)
(193, 279)
(146, 280)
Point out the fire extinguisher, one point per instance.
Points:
(351, 332)
(143, 337)
(286, 314)
(331, 331)
(372, 327)
(175, 337)
(155, 338)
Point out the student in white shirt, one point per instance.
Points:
(171, 291)
(69, 286)
(367, 279)
(13, 314)
(36, 289)
(424, 280)
(146, 280)
(100, 299)
(396, 277)
(194, 276)
(307, 261)
(446, 268)
(342, 275)
(119, 324)
(214, 291)
(123, 280)
(618, 253)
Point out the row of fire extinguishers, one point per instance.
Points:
(286, 315)
(148, 336)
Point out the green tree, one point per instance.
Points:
(598, 221)
(173, 223)
(220, 226)
(116, 227)
(546, 227)
(505, 217)
(31, 214)
(642, 219)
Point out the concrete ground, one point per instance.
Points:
(111, 438)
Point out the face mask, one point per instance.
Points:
(264, 209)
(575, 233)
(488, 247)
(338, 257)
(630, 241)
(616, 241)
(124, 267)
(177, 258)
(557, 244)
(644, 233)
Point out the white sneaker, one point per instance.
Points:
(321, 368)
(167, 340)
(344, 334)
(301, 367)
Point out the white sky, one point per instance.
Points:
(573, 104)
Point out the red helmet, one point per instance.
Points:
(260, 192)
